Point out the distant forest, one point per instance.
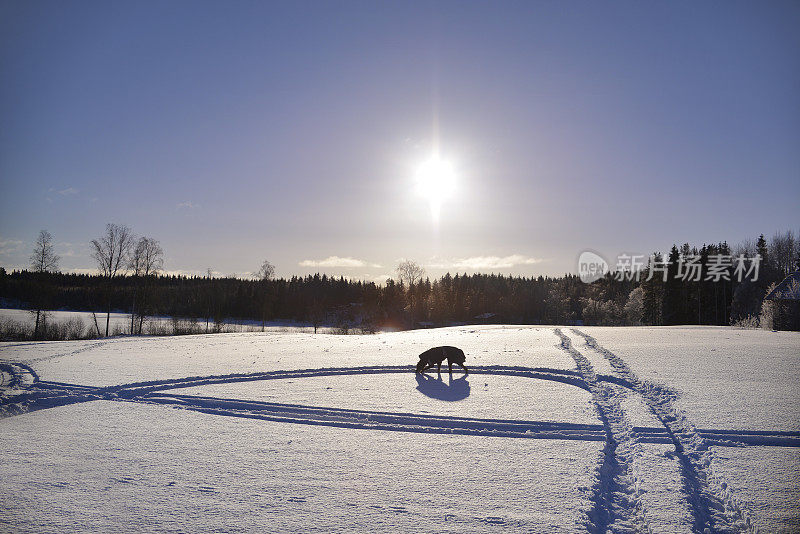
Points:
(417, 301)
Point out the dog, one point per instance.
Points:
(437, 355)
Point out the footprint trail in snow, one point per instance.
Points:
(714, 507)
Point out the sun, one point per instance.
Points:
(436, 181)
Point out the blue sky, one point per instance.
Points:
(235, 132)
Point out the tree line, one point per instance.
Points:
(130, 280)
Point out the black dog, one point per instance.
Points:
(437, 355)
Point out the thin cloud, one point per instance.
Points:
(379, 279)
(483, 263)
(336, 261)
(64, 192)
(10, 246)
(187, 204)
(72, 250)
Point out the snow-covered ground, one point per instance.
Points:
(554, 430)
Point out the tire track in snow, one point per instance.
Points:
(49, 394)
(53, 394)
(617, 504)
(377, 420)
(86, 348)
(16, 374)
(139, 388)
(716, 508)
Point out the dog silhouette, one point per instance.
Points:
(437, 355)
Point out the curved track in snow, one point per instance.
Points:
(616, 503)
(43, 394)
(17, 375)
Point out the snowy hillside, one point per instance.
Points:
(554, 430)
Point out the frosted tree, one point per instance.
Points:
(634, 306)
(782, 251)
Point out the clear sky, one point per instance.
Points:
(235, 132)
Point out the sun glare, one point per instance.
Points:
(436, 181)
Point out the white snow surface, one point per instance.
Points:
(293, 432)
(107, 466)
(726, 377)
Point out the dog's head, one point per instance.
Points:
(421, 365)
(458, 357)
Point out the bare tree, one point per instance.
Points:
(409, 272)
(146, 260)
(208, 296)
(111, 252)
(43, 260)
(265, 274)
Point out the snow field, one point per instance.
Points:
(642, 390)
(131, 467)
(132, 359)
(726, 377)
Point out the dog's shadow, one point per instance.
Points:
(436, 388)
